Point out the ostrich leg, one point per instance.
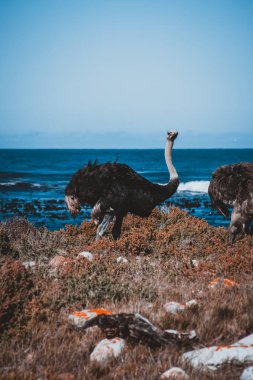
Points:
(116, 231)
(235, 224)
(103, 226)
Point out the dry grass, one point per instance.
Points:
(36, 340)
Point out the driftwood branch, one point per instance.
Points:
(136, 328)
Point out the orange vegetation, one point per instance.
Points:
(36, 339)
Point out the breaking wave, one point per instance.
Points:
(194, 186)
(20, 186)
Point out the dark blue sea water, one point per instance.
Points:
(32, 182)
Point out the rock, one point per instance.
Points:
(195, 263)
(191, 303)
(121, 259)
(30, 358)
(176, 307)
(213, 357)
(174, 333)
(29, 264)
(247, 374)
(107, 349)
(79, 318)
(175, 373)
(227, 282)
(135, 327)
(192, 334)
(85, 254)
(173, 307)
(59, 261)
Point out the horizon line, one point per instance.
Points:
(248, 148)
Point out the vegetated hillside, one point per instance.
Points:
(36, 339)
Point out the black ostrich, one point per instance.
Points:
(114, 189)
(232, 187)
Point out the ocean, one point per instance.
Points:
(32, 182)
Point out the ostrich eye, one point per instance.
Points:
(72, 197)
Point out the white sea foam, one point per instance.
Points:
(36, 185)
(20, 183)
(194, 186)
(8, 183)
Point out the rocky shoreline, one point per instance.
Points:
(53, 213)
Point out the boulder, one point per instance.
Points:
(80, 318)
(107, 349)
(213, 357)
(247, 374)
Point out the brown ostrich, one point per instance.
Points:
(232, 187)
(114, 189)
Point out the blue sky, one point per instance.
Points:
(118, 74)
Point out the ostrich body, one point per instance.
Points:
(232, 187)
(114, 189)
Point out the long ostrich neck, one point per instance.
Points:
(168, 159)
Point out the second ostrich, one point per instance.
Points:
(114, 189)
(232, 187)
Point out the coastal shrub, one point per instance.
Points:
(37, 341)
(16, 289)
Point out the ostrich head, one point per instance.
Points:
(72, 199)
(73, 204)
(82, 189)
(172, 135)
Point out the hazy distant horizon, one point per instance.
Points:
(112, 149)
(119, 74)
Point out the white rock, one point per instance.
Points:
(247, 374)
(191, 335)
(79, 318)
(122, 259)
(173, 307)
(87, 255)
(29, 264)
(107, 349)
(191, 303)
(195, 263)
(175, 373)
(213, 357)
(173, 332)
